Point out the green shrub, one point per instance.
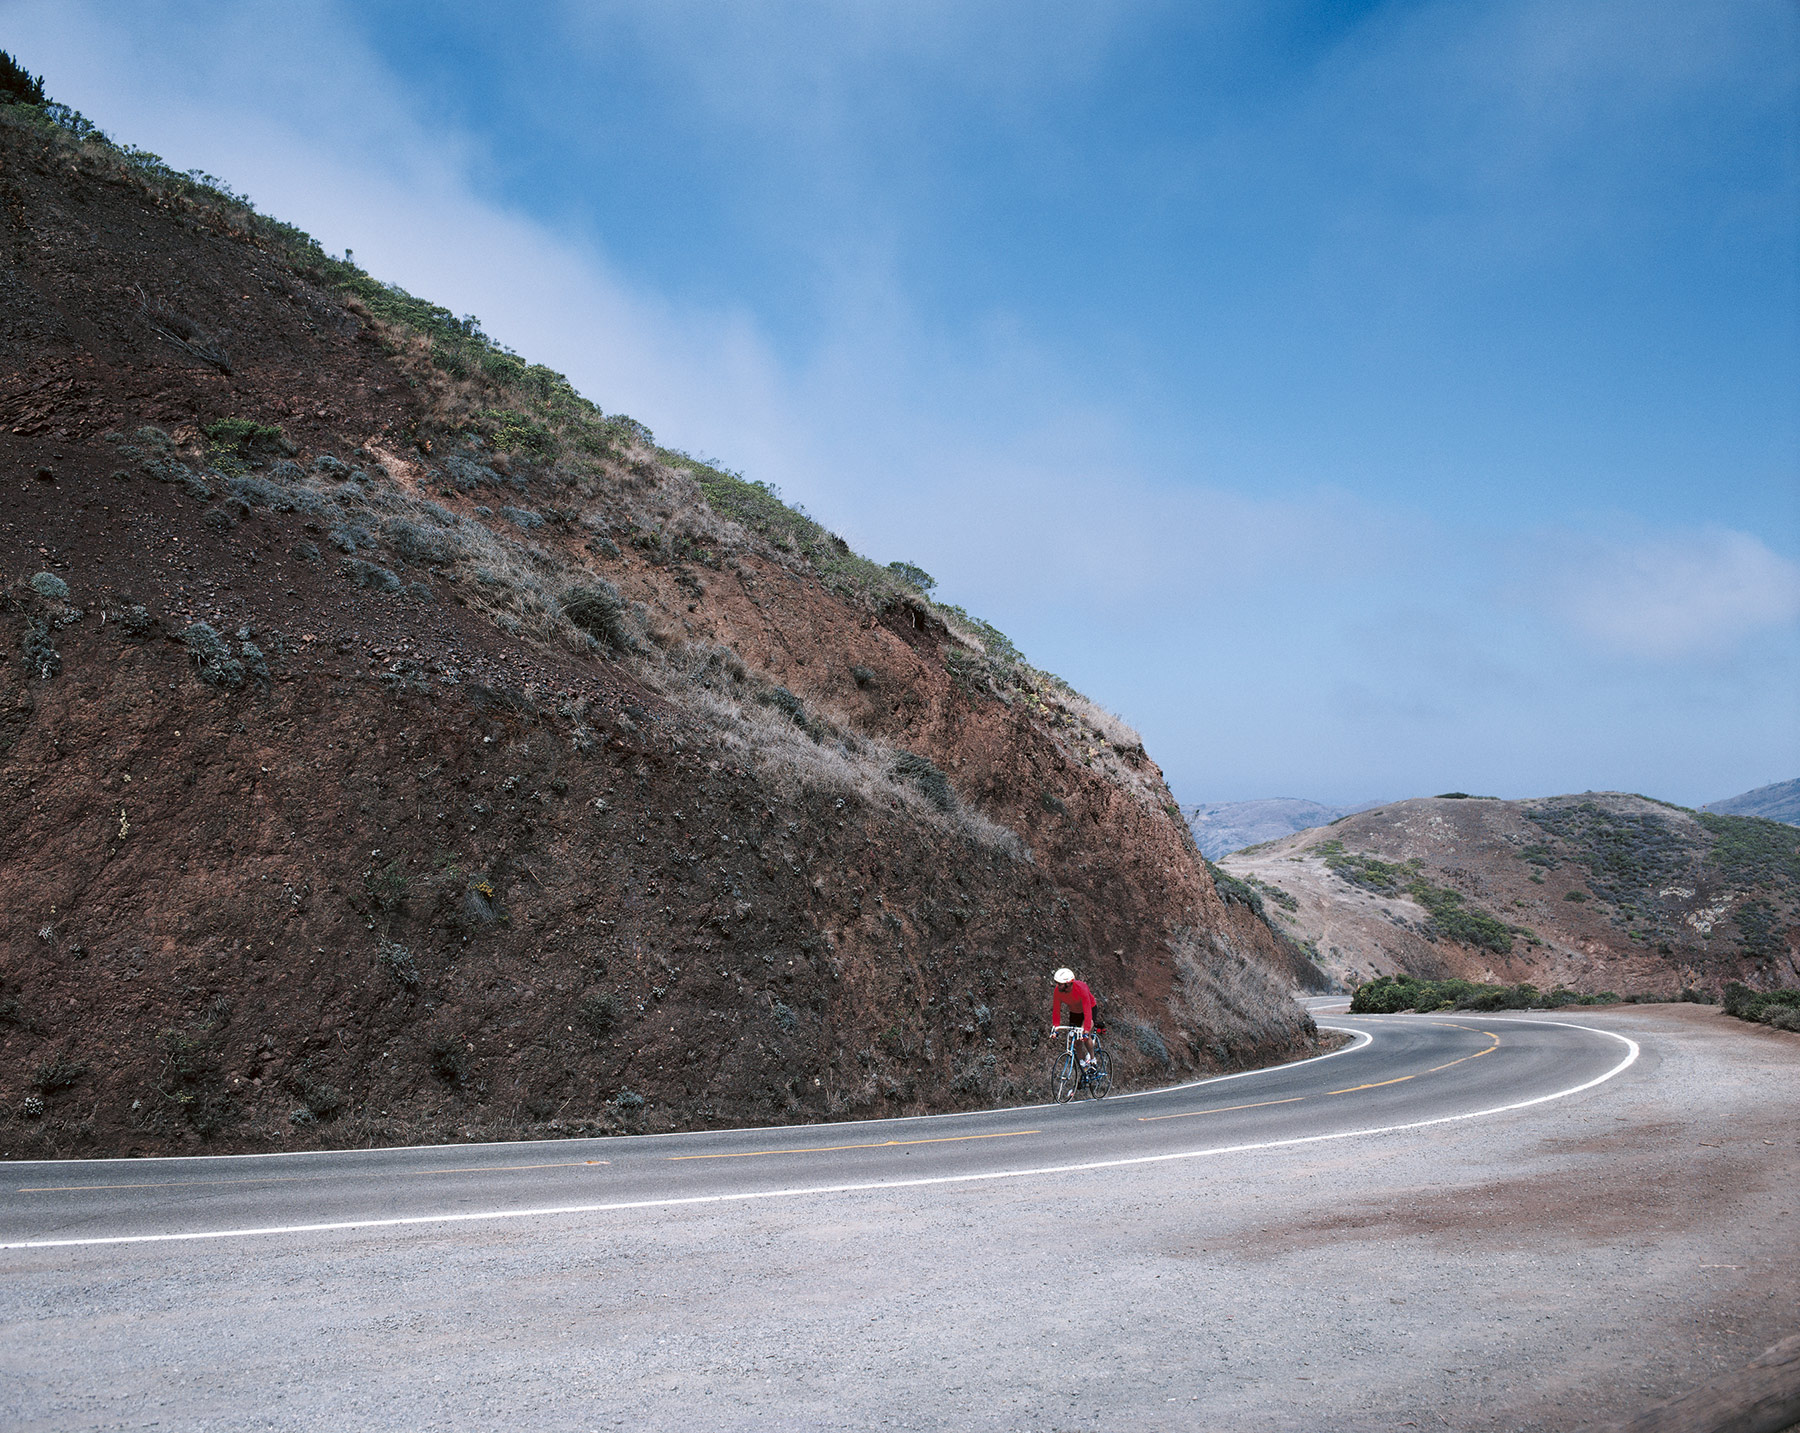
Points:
(1275, 893)
(321, 1101)
(449, 1059)
(416, 544)
(1629, 856)
(1233, 891)
(235, 441)
(928, 777)
(997, 645)
(17, 86)
(352, 537)
(1390, 994)
(913, 575)
(41, 655)
(1767, 1007)
(1758, 924)
(1751, 850)
(49, 585)
(598, 1013)
(1385, 878)
(398, 961)
(1452, 917)
(597, 609)
(212, 658)
(57, 1073)
(514, 432)
(370, 575)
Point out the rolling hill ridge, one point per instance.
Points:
(1601, 891)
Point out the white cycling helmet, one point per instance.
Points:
(1063, 976)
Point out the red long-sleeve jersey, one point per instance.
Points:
(1076, 997)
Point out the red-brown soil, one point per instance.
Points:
(435, 878)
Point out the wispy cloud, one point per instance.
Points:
(1668, 597)
(1216, 551)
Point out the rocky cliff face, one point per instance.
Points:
(1601, 891)
(394, 746)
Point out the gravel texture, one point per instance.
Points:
(1561, 1265)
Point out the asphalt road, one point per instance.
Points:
(1479, 1223)
(1400, 1071)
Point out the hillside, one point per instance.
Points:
(1600, 891)
(1230, 826)
(395, 746)
(1777, 802)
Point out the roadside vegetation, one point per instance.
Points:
(1777, 1008)
(1391, 994)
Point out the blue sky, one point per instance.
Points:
(1364, 400)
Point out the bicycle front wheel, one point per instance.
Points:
(1062, 1081)
(1100, 1078)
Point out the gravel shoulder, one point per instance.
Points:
(1545, 1269)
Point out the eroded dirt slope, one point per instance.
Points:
(322, 821)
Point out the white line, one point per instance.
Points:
(876, 1185)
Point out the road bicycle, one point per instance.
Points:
(1071, 1077)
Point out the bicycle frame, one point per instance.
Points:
(1071, 1075)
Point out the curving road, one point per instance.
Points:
(1401, 1072)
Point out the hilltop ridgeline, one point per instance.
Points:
(1601, 891)
(1224, 827)
(396, 746)
(1779, 801)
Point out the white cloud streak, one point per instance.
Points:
(1204, 608)
(1668, 597)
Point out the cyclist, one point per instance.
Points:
(1075, 995)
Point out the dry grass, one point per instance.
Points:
(712, 682)
(1230, 1006)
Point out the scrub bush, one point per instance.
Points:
(370, 575)
(211, 655)
(928, 777)
(597, 609)
(1778, 1008)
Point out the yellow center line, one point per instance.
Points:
(1376, 1086)
(305, 1178)
(1476, 1056)
(879, 1144)
(1189, 1114)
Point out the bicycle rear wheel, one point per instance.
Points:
(1100, 1080)
(1062, 1080)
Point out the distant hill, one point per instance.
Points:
(1779, 802)
(1601, 891)
(1232, 825)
